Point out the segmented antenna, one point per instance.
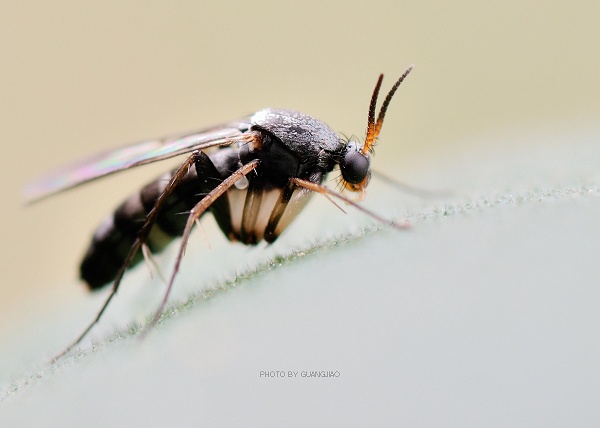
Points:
(371, 123)
(373, 128)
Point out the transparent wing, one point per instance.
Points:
(130, 156)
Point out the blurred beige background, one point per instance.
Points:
(81, 77)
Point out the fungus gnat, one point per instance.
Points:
(255, 180)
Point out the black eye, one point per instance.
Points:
(355, 165)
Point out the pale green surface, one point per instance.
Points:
(484, 313)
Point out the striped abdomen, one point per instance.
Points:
(254, 210)
(117, 233)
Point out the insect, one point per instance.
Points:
(256, 177)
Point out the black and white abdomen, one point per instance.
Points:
(257, 208)
(117, 233)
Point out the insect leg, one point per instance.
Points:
(407, 188)
(195, 214)
(278, 210)
(252, 203)
(208, 178)
(141, 238)
(292, 200)
(151, 263)
(319, 188)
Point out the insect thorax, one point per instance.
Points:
(311, 141)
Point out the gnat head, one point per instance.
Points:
(355, 165)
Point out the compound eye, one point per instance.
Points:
(355, 165)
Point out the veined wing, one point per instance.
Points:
(130, 156)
